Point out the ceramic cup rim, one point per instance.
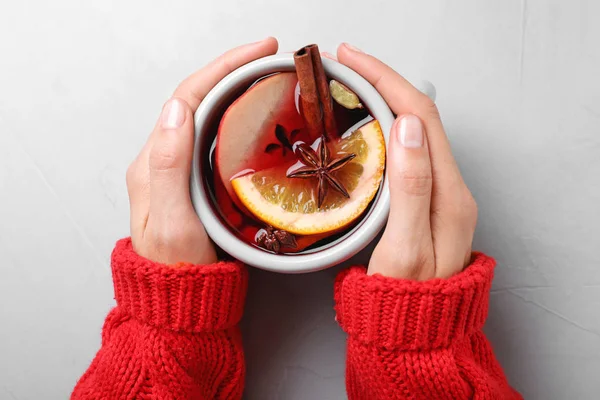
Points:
(334, 253)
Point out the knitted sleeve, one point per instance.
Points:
(172, 335)
(419, 340)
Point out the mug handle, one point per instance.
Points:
(427, 88)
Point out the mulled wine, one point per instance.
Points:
(296, 159)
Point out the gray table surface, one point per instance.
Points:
(81, 84)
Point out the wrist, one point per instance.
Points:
(414, 265)
(176, 246)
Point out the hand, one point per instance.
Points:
(164, 225)
(432, 213)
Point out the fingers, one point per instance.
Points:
(403, 98)
(406, 248)
(158, 180)
(196, 86)
(453, 231)
(328, 55)
(164, 225)
(170, 160)
(453, 210)
(192, 90)
(409, 172)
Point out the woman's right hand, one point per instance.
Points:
(432, 212)
(164, 225)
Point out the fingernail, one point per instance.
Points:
(353, 48)
(260, 41)
(173, 114)
(409, 131)
(329, 55)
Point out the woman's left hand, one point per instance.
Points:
(164, 225)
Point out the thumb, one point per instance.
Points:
(170, 159)
(406, 247)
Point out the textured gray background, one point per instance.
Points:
(82, 83)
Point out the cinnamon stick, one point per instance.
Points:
(317, 106)
(309, 94)
(324, 93)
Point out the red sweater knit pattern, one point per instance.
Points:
(419, 340)
(174, 334)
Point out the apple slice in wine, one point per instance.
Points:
(254, 132)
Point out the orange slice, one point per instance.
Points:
(291, 203)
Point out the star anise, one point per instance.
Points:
(274, 239)
(318, 164)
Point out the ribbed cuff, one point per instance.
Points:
(194, 298)
(411, 315)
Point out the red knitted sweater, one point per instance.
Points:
(174, 335)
